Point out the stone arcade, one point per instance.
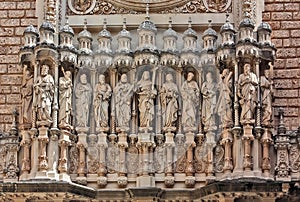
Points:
(149, 114)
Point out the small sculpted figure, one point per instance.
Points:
(65, 98)
(102, 94)
(27, 94)
(190, 101)
(83, 94)
(247, 85)
(266, 98)
(44, 92)
(168, 96)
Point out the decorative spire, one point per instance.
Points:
(147, 10)
(209, 23)
(104, 23)
(85, 24)
(124, 24)
(190, 22)
(170, 22)
(227, 17)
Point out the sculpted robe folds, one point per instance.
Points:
(122, 98)
(44, 91)
(83, 94)
(266, 98)
(146, 103)
(65, 99)
(169, 103)
(209, 103)
(27, 93)
(190, 102)
(247, 84)
(102, 93)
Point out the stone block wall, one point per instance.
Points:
(15, 16)
(284, 18)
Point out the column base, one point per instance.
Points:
(64, 177)
(145, 181)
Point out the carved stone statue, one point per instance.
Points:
(122, 97)
(65, 99)
(190, 101)
(83, 94)
(208, 91)
(102, 94)
(247, 85)
(27, 93)
(146, 93)
(44, 92)
(266, 98)
(224, 104)
(168, 97)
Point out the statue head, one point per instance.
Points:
(225, 72)
(124, 78)
(27, 74)
(190, 76)
(209, 77)
(169, 78)
(68, 75)
(146, 75)
(45, 69)
(267, 73)
(83, 79)
(101, 79)
(247, 69)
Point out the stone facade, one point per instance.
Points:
(146, 113)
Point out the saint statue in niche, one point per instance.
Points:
(65, 98)
(224, 104)
(266, 98)
(146, 94)
(190, 101)
(209, 103)
(102, 94)
(168, 96)
(83, 94)
(44, 92)
(27, 92)
(247, 85)
(122, 97)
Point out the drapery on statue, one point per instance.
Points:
(146, 93)
(44, 92)
(266, 98)
(65, 98)
(122, 98)
(168, 97)
(190, 101)
(208, 91)
(83, 94)
(102, 94)
(224, 104)
(27, 92)
(247, 85)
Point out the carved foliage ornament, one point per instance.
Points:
(109, 7)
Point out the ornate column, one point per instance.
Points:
(26, 163)
(169, 145)
(237, 143)
(189, 170)
(43, 140)
(266, 141)
(82, 145)
(64, 142)
(102, 144)
(123, 145)
(227, 142)
(256, 148)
